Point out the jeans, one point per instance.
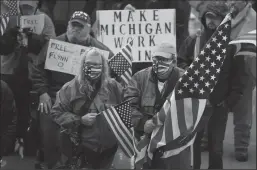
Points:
(216, 133)
(243, 112)
(20, 86)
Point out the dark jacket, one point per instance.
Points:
(8, 41)
(232, 78)
(14, 59)
(147, 100)
(47, 81)
(69, 108)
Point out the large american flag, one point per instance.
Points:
(121, 63)
(183, 110)
(119, 120)
(12, 6)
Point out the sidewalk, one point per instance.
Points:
(15, 163)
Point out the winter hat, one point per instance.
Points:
(218, 8)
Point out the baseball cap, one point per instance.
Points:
(80, 17)
(165, 50)
(31, 3)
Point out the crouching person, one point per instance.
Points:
(148, 91)
(76, 110)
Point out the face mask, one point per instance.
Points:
(162, 69)
(92, 72)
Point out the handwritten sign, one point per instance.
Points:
(148, 28)
(66, 57)
(35, 22)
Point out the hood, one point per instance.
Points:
(243, 23)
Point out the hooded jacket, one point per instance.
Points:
(233, 76)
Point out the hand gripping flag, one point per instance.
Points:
(121, 63)
(12, 6)
(178, 119)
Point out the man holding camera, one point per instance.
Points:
(21, 46)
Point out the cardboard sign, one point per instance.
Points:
(66, 57)
(148, 28)
(35, 22)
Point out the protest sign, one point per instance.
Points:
(66, 57)
(35, 22)
(148, 28)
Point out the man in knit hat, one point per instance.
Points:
(229, 87)
(148, 90)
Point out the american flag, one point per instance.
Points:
(121, 63)
(119, 120)
(12, 6)
(183, 110)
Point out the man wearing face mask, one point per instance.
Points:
(46, 82)
(148, 90)
(76, 110)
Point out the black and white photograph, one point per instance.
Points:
(128, 84)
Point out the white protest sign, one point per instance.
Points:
(35, 22)
(66, 57)
(148, 28)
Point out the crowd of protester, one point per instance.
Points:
(40, 105)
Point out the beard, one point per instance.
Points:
(76, 36)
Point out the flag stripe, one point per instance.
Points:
(174, 120)
(4, 22)
(118, 128)
(121, 126)
(181, 117)
(178, 150)
(244, 41)
(127, 52)
(195, 106)
(202, 103)
(126, 57)
(246, 53)
(188, 116)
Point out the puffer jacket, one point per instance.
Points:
(146, 98)
(47, 81)
(68, 110)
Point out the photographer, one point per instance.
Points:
(20, 47)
